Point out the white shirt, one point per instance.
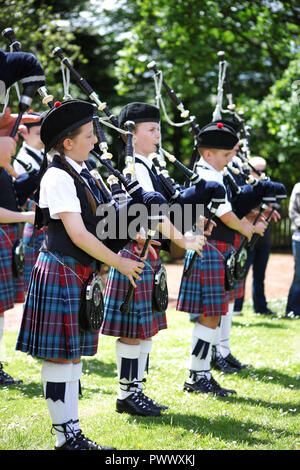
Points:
(26, 158)
(142, 174)
(58, 191)
(211, 174)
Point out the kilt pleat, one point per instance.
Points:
(11, 289)
(50, 323)
(140, 322)
(31, 253)
(204, 291)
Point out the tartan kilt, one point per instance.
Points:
(11, 289)
(140, 322)
(240, 285)
(31, 254)
(204, 291)
(50, 323)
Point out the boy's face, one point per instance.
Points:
(33, 139)
(146, 137)
(218, 158)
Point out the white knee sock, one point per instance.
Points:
(74, 395)
(59, 409)
(226, 321)
(216, 339)
(146, 347)
(127, 366)
(201, 343)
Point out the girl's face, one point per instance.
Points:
(146, 138)
(79, 147)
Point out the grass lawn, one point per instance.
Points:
(264, 415)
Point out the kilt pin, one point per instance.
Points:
(11, 289)
(141, 321)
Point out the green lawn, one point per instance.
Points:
(264, 415)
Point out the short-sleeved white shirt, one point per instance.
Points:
(26, 158)
(209, 173)
(142, 174)
(58, 191)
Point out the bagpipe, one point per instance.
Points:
(119, 180)
(24, 67)
(248, 192)
(213, 197)
(133, 190)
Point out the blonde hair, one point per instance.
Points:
(256, 160)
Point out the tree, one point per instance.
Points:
(260, 40)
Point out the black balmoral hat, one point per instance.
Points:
(138, 112)
(64, 118)
(32, 124)
(217, 135)
(231, 122)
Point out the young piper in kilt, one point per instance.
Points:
(70, 252)
(136, 329)
(204, 291)
(30, 157)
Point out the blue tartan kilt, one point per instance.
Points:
(204, 291)
(50, 323)
(11, 289)
(140, 322)
(31, 253)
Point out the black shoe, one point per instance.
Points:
(153, 403)
(232, 361)
(219, 363)
(203, 385)
(217, 388)
(71, 444)
(135, 405)
(6, 379)
(266, 312)
(90, 445)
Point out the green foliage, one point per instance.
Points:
(39, 31)
(111, 49)
(277, 115)
(260, 40)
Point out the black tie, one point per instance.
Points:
(92, 184)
